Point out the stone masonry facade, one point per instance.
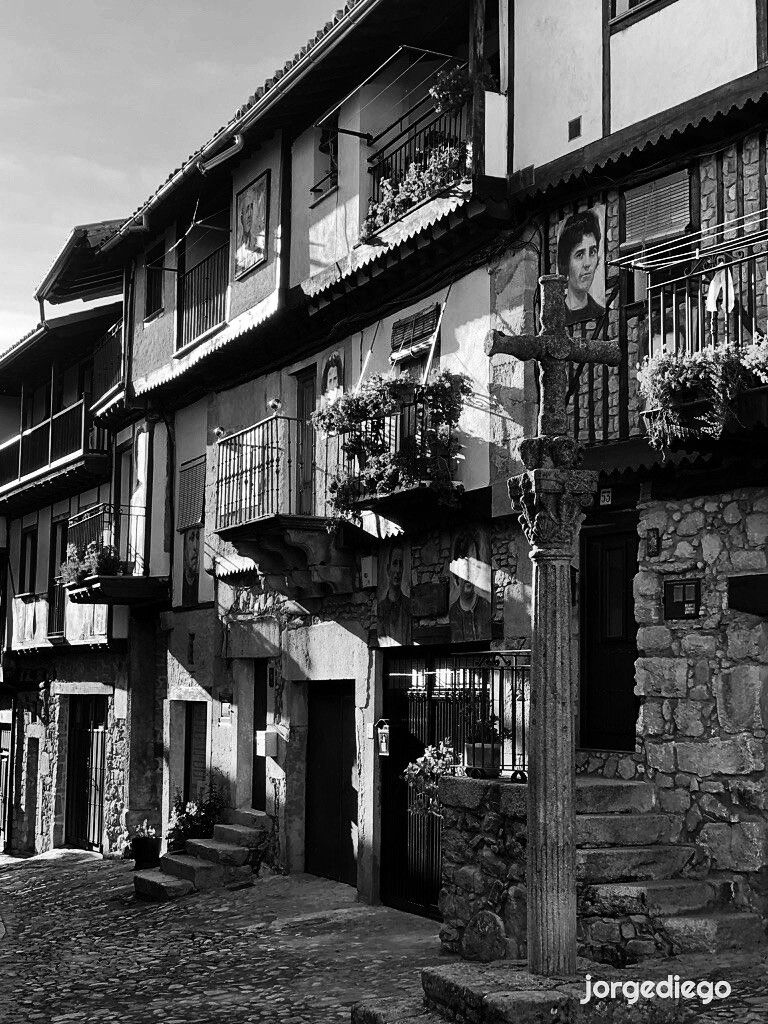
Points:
(704, 682)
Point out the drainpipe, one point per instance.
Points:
(208, 165)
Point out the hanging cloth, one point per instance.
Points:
(721, 284)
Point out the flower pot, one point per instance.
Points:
(482, 760)
(146, 852)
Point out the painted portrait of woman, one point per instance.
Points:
(580, 260)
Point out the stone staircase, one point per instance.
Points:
(642, 892)
(642, 895)
(229, 859)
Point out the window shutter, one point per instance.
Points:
(660, 207)
(417, 328)
(191, 494)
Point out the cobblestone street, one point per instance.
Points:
(78, 947)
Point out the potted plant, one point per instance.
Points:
(482, 751)
(145, 846)
(423, 777)
(195, 819)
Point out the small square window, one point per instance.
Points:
(574, 129)
(682, 599)
(153, 283)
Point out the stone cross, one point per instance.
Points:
(549, 498)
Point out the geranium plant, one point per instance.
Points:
(195, 819)
(423, 777)
(382, 455)
(96, 560)
(451, 88)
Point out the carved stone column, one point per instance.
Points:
(549, 499)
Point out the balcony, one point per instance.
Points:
(273, 505)
(420, 156)
(46, 620)
(108, 367)
(108, 543)
(203, 297)
(63, 452)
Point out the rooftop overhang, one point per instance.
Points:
(80, 271)
(712, 118)
(65, 336)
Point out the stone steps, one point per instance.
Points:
(240, 835)
(157, 885)
(251, 819)
(670, 897)
(631, 863)
(395, 1010)
(594, 830)
(613, 796)
(218, 852)
(714, 932)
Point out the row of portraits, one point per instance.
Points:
(469, 598)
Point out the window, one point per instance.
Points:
(153, 283)
(191, 494)
(28, 563)
(413, 340)
(657, 209)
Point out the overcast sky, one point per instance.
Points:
(101, 99)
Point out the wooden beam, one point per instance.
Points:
(476, 67)
(507, 72)
(762, 32)
(606, 67)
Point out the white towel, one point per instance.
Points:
(722, 283)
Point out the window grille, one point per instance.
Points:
(660, 207)
(191, 494)
(153, 295)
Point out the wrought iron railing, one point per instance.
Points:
(67, 433)
(720, 300)
(477, 702)
(108, 362)
(427, 139)
(276, 467)
(203, 296)
(104, 527)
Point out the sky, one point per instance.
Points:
(101, 99)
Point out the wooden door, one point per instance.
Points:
(608, 707)
(331, 793)
(259, 770)
(85, 772)
(305, 442)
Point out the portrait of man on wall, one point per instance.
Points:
(251, 216)
(581, 260)
(191, 576)
(469, 610)
(394, 596)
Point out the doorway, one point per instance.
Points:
(331, 793)
(608, 706)
(306, 396)
(85, 772)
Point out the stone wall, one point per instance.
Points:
(483, 899)
(704, 681)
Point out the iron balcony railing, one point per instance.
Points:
(64, 435)
(436, 141)
(478, 702)
(108, 362)
(203, 296)
(276, 467)
(719, 301)
(56, 609)
(119, 530)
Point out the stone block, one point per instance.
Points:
(647, 584)
(691, 525)
(740, 755)
(742, 846)
(742, 698)
(675, 801)
(748, 561)
(699, 644)
(429, 600)
(757, 528)
(688, 718)
(470, 879)
(661, 677)
(514, 801)
(661, 756)
(650, 721)
(484, 938)
(653, 638)
(748, 640)
(457, 791)
(711, 547)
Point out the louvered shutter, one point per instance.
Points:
(191, 494)
(415, 328)
(660, 207)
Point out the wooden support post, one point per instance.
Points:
(476, 68)
(507, 72)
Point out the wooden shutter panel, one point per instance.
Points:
(415, 328)
(191, 494)
(660, 207)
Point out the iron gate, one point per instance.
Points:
(479, 703)
(85, 772)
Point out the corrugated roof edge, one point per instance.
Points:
(343, 20)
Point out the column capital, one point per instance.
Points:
(550, 504)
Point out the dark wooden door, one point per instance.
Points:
(305, 443)
(331, 793)
(5, 782)
(85, 772)
(259, 771)
(609, 708)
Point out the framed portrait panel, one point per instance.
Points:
(251, 225)
(581, 261)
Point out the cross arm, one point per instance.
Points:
(588, 351)
(524, 346)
